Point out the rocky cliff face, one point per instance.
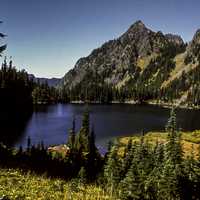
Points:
(117, 59)
(140, 58)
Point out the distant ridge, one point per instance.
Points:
(52, 82)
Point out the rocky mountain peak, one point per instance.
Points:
(176, 39)
(139, 24)
(119, 60)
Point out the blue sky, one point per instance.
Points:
(47, 37)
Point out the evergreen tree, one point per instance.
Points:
(191, 181)
(28, 143)
(128, 157)
(129, 187)
(133, 185)
(172, 173)
(83, 137)
(173, 147)
(93, 159)
(92, 137)
(72, 136)
(112, 171)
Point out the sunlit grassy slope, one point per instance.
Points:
(190, 141)
(180, 67)
(16, 185)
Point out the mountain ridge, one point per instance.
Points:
(52, 82)
(139, 60)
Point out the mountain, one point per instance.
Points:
(140, 65)
(52, 82)
(123, 54)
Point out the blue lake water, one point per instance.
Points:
(50, 124)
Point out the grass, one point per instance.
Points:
(190, 141)
(16, 185)
(180, 67)
(142, 63)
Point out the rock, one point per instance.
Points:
(117, 59)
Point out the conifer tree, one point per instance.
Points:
(128, 157)
(159, 155)
(84, 133)
(131, 187)
(191, 182)
(72, 136)
(92, 146)
(112, 171)
(173, 151)
(28, 143)
(93, 158)
(171, 176)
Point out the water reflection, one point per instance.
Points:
(12, 128)
(50, 124)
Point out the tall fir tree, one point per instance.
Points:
(172, 173)
(72, 135)
(83, 137)
(112, 171)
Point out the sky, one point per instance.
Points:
(47, 37)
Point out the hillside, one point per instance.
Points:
(14, 184)
(190, 141)
(140, 65)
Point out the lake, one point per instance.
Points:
(50, 124)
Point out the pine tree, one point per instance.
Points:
(28, 143)
(92, 146)
(159, 155)
(128, 157)
(112, 171)
(93, 160)
(172, 173)
(132, 187)
(72, 136)
(83, 137)
(191, 181)
(173, 151)
(171, 123)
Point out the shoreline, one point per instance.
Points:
(154, 103)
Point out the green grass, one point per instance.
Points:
(16, 185)
(190, 141)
